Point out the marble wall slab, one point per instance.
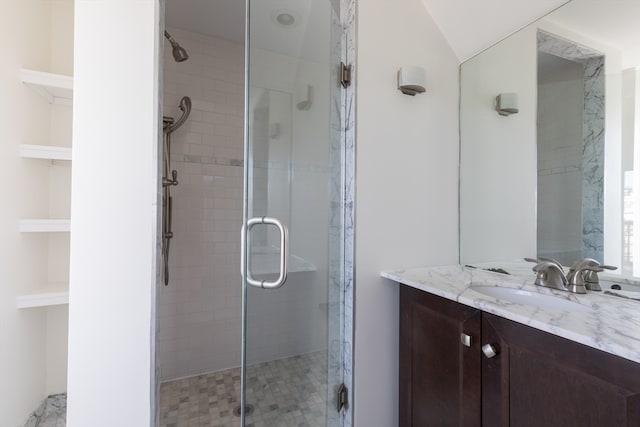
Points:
(341, 236)
(51, 413)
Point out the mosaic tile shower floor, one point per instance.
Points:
(283, 393)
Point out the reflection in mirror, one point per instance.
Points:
(557, 179)
(570, 144)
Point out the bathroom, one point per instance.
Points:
(407, 146)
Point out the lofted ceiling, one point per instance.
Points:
(471, 26)
(225, 19)
(218, 18)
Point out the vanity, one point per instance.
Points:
(549, 125)
(549, 176)
(473, 357)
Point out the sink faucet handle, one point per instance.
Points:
(591, 279)
(557, 263)
(543, 259)
(590, 262)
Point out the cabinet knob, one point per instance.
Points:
(489, 351)
(465, 340)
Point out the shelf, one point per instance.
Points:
(47, 152)
(44, 225)
(56, 88)
(46, 298)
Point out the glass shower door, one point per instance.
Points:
(293, 213)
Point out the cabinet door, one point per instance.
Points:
(538, 379)
(439, 376)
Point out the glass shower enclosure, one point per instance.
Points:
(293, 239)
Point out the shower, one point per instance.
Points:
(169, 125)
(258, 155)
(179, 53)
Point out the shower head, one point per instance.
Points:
(179, 53)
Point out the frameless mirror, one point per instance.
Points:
(557, 177)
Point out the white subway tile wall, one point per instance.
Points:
(200, 310)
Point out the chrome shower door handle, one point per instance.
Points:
(284, 253)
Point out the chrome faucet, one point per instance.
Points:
(588, 269)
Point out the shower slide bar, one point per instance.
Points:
(169, 125)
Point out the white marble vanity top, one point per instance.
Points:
(612, 324)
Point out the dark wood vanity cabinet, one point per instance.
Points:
(535, 379)
(439, 376)
(539, 379)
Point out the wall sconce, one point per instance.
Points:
(507, 104)
(411, 80)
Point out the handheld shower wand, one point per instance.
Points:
(185, 107)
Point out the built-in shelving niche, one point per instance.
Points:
(56, 89)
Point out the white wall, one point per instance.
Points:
(60, 133)
(33, 354)
(114, 213)
(24, 28)
(407, 180)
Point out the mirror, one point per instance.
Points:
(556, 178)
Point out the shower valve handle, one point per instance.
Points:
(173, 181)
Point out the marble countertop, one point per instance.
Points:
(612, 324)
